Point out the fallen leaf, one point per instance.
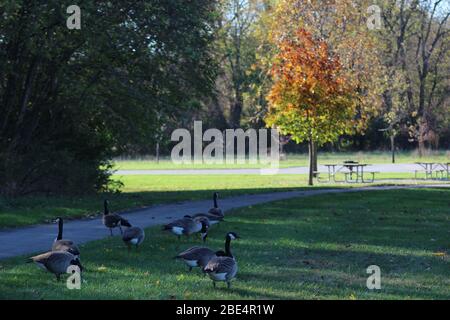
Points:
(439, 254)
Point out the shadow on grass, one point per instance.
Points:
(28, 210)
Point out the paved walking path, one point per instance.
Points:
(39, 238)
(385, 168)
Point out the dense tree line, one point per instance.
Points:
(407, 57)
(72, 99)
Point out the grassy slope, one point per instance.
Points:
(292, 160)
(313, 248)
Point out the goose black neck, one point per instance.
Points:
(105, 204)
(60, 229)
(215, 201)
(228, 247)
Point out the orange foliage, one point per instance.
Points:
(310, 98)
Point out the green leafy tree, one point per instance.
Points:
(72, 99)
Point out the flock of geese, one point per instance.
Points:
(219, 265)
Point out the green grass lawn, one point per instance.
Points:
(145, 190)
(292, 160)
(141, 191)
(306, 248)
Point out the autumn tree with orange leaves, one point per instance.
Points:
(310, 99)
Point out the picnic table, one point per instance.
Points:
(354, 168)
(446, 167)
(442, 170)
(433, 167)
(331, 172)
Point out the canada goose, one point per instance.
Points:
(198, 256)
(61, 244)
(113, 220)
(56, 262)
(212, 218)
(223, 268)
(133, 236)
(188, 225)
(216, 210)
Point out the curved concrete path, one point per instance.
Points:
(39, 238)
(385, 168)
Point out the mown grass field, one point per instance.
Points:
(307, 248)
(141, 191)
(145, 190)
(291, 160)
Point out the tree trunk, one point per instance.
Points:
(314, 158)
(157, 152)
(311, 162)
(236, 111)
(393, 147)
(421, 137)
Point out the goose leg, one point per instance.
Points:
(214, 284)
(120, 227)
(110, 231)
(228, 284)
(58, 277)
(190, 269)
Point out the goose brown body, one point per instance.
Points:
(223, 268)
(198, 256)
(133, 236)
(56, 262)
(66, 245)
(113, 220)
(188, 225)
(212, 218)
